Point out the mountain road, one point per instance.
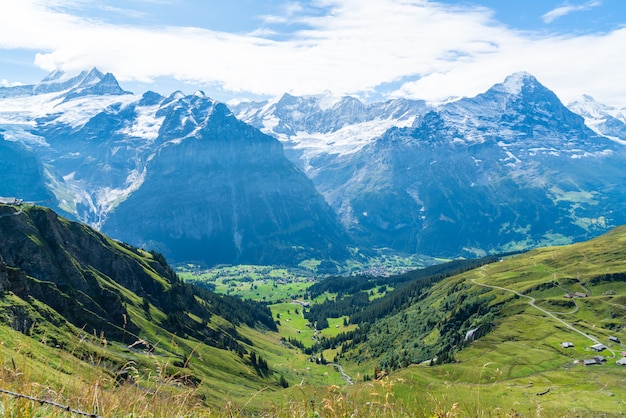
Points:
(531, 302)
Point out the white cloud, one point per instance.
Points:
(290, 12)
(352, 48)
(6, 83)
(566, 9)
(570, 66)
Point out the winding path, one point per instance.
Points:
(531, 302)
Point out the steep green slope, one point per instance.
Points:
(517, 315)
(107, 328)
(77, 306)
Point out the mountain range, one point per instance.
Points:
(179, 174)
(509, 169)
(299, 178)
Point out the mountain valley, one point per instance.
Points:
(104, 320)
(310, 256)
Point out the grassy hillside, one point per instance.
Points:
(521, 316)
(108, 329)
(413, 338)
(88, 321)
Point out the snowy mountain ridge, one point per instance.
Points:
(316, 126)
(219, 190)
(493, 161)
(60, 102)
(58, 99)
(605, 120)
(508, 169)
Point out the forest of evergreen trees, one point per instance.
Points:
(385, 332)
(353, 300)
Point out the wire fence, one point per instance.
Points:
(51, 403)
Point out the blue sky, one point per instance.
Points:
(373, 49)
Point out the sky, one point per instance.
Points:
(372, 49)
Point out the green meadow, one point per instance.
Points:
(516, 367)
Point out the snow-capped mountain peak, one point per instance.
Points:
(58, 81)
(174, 97)
(96, 84)
(587, 106)
(604, 120)
(327, 100)
(514, 83)
(53, 76)
(92, 77)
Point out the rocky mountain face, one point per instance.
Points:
(509, 169)
(221, 190)
(22, 173)
(179, 174)
(281, 181)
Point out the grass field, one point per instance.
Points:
(517, 369)
(278, 284)
(262, 283)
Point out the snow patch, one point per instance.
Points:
(585, 154)
(616, 139)
(146, 124)
(270, 122)
(513, 84)
(510, 155)
(327, 100)
(77, 112)
(347, 140)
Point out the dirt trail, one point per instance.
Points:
(531, 302)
